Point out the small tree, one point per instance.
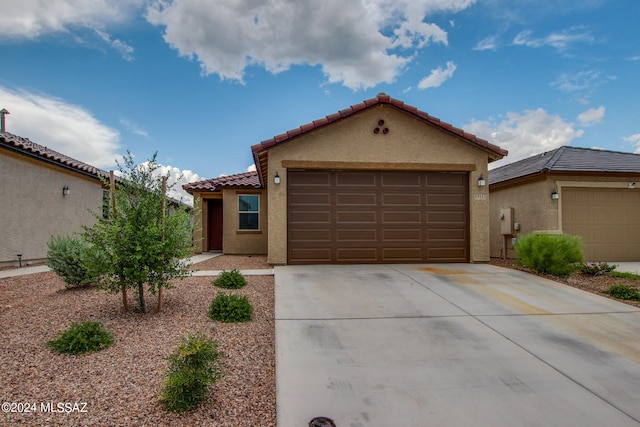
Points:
(142, 243)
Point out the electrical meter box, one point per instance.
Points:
(506, 221)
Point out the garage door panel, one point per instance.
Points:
(362, 254)
(399, 179)
(401, 217)
(356, 179)
(374, 216)
(356, 235)
(414, 199)
(312, 178)
(607, 219)
(310, 217)
(356, 199)
(306, 198)
(403, 235)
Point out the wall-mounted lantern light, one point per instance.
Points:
(276, 179)
(555, 195)
(481, 181)
(65, 190)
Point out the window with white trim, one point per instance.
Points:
(248, 212)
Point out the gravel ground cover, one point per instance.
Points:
(121, 385)
(595, 284)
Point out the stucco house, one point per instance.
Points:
(43, 193)
(378, 182)
(591, 193)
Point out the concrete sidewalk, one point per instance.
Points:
(4, 274)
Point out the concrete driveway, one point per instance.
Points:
(451, 345)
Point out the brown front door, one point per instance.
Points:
(377, 217)
(215, 224)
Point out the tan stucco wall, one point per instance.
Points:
(353, 141)
(33, 207)
(534, 210)
(236, 241)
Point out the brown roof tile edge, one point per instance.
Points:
(27, 147)
(239, 180)
(381, 98)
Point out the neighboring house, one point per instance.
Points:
(378, 182)
(594, 194)
(43, 193)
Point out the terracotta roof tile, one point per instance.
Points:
(29, 148)
(239, 180)
(382, 98)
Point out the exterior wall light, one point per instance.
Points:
(65, 190)
(481, 181)
(555, 195)
(276, 179)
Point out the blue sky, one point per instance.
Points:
(200, 81)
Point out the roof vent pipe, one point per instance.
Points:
(3, 113)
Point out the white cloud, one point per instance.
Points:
(591, 116)
(30, 19)
(175, 179)
(525, 134)
(133, 127)
(252, 168)
(560, 41)
(488, 43)
(357, 43)
(635, 140)
(583, 80)
(125, 51)
(63, 127)
(438, 76)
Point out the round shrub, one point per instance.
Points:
(193, 365)
(82, 338)
(230, 280)
(555, 254)
(230, 308)
(71, 257)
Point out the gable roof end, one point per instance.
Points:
(260, 150)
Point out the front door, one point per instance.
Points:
(215, 225)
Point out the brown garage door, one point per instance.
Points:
(377, 217)
(608, 220)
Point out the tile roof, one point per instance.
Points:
(239, 180)
(260, 149)
(29, 148)
(568, 159)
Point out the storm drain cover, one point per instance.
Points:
(322, 422)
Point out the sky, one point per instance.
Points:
(201, 81)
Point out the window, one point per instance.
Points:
(248, 212)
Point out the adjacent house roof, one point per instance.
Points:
(260, 150)
(240, 180)
(568, 160)
(29, 148)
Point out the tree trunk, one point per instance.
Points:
(143, 304)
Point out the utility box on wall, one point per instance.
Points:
(506, 221)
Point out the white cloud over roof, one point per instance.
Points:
(356, 43)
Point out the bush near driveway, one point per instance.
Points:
(555, 254)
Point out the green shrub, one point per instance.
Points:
(82, 338)
(597, 268)
(230, 308)
(193, 365)
(72, 258)
(230, 280)
(555, 254)
(622, 291)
